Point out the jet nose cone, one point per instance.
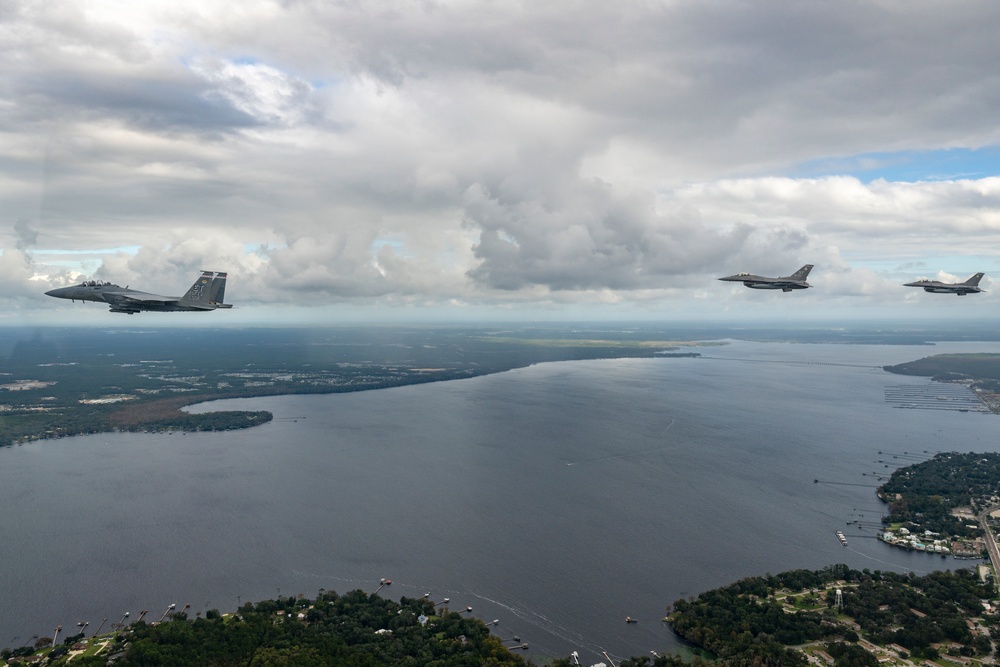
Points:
(59, 292)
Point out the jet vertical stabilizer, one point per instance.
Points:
(802, 273)
(217, 293)
(974, 280)
(201, 291)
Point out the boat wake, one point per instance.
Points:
(892, 565)
(543, 623)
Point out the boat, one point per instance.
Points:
(840, 536)
(629, 619)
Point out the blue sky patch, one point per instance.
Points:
(908, 166)
(961, 266)
(129, 250)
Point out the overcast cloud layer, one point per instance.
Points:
(450, 160)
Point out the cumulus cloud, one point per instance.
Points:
(500, 154)
(587, 238)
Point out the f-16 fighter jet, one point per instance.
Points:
(207, 293)
(786, 283)
(970, 286)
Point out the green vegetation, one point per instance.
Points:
(60, 382)
(353, 629)
(778, 620)
(924, 496)
(950, 367)
(958, 479)
(980, 371)
(132, 378)
(767, 620)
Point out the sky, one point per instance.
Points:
(487, 160)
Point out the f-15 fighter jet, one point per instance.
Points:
(207, 293)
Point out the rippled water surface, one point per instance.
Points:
(557, 499)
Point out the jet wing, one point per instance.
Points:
(148, 298)
(144, 300)
(137, 298)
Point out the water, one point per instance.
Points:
(557, 499)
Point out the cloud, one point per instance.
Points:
(263, 93)
(494, 154)
(587, 238)
(25, 236)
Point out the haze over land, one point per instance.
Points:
(438, 160)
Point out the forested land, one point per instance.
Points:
(356, 629)
(756, 620)
(981, 368)
(923, 495)
(96, 380)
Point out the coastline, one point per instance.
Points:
(144, 383)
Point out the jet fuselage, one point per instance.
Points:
(206, 294)
(970, 286)
(785, 283)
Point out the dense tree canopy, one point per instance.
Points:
(749, 622)
(923, 494)
(356, 629)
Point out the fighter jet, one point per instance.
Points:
(786, 283)
(207, 293)
(970, 286)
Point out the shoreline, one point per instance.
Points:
(170, 414)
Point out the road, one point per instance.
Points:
(991, 543)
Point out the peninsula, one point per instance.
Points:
(980, 372)
(843, 617)
(944, 505)
(62, 382)
(352, 629)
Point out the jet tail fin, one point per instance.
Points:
(802, 273)
(217, 293)
(201, 291)
(974, 280)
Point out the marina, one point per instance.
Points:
(935, 396)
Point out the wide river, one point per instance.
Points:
(557, 499)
